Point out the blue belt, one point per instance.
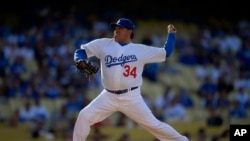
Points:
(122, 91)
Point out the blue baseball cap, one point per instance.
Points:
(123, 22)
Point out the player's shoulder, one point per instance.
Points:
(143, 47)
(139, 45)
(103, 40)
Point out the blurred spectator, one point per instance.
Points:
(207, 87)
(15, 87)
(26, 114)
(4, 63)
(18, 67)
(80, 95)
(206, 36)
(237, 111)
(243, 81)
(243, 55)
(185, 98)
(174, 111)
(242, 97)
(215, 71)
(202, 72)
(224, 85)
(162, 100)
(200, 44)
(34, 89)
(52, 89)
(40, 111)
(73, 105)
(208, 100)
(214, 118)
(243, 27)
(221, 100)
(59, 121)
(220, 41)
(187, 57)
(100, 28)
(233, 42)
(11, 50)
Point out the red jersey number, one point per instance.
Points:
(129, 71)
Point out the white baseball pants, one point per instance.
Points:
(132, 105)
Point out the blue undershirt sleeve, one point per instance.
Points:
(80, 54)
(169, 44)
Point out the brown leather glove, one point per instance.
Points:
(86, 67)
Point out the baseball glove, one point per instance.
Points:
(86, 67)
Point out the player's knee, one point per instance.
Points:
(82, 115)
(155, 124)
(88, 117)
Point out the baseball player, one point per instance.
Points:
(122, 63)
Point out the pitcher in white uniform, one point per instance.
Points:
(122, 63)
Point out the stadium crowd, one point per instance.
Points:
(36, 63)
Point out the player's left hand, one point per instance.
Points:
(171, 29)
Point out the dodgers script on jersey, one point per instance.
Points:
(122, 66)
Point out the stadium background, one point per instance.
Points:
(150, 17)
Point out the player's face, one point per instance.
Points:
(122, 34)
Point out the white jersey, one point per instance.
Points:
(121, 74)
(122, 66)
